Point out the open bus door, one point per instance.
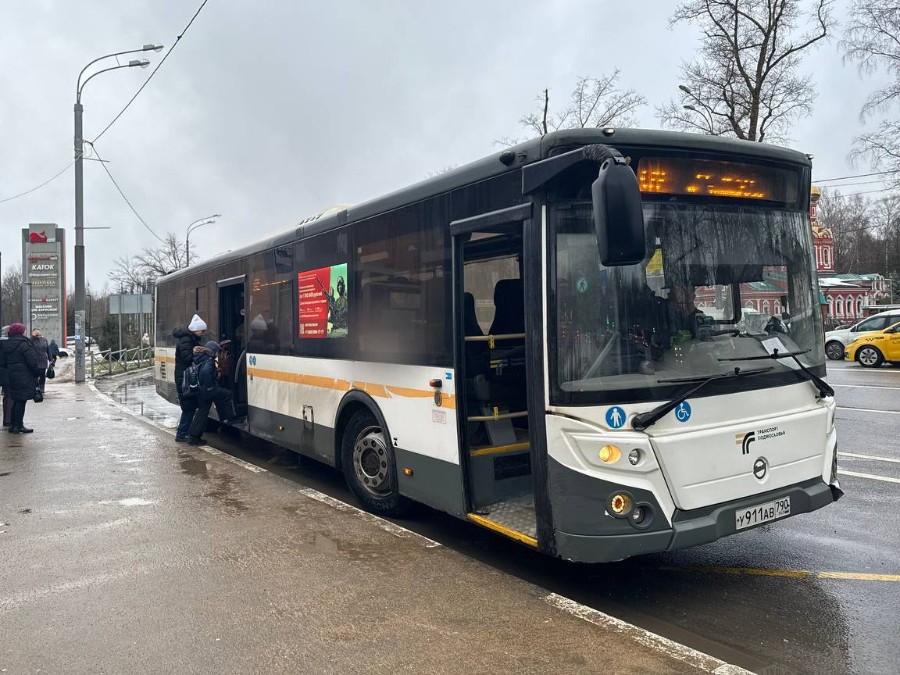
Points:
(495, 420)
(232, 368)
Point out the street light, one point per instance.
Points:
(79, 195)
(205, 220)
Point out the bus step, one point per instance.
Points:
(513, 518)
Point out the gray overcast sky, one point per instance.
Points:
(270, 111)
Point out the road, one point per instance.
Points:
(817, 593)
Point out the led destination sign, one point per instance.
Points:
(711, 178)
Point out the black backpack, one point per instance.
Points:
(190, 382)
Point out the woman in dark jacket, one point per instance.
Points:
(19, 363)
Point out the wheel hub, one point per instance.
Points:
(868, 356)
(370, 462)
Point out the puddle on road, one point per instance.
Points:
(222, 493)
(130, 501)
(194, 467)
(139, 395)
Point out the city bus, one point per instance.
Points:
(550, 342)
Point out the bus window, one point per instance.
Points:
(270, 317)
(401, 273)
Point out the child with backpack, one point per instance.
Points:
(200, 381)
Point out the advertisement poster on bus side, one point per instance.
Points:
(323, 302)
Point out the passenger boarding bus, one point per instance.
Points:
(549, 342)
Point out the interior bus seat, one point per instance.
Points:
(508, 378)
(477, 353)
(502, 388)
(509, 307)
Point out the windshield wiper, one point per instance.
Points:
(823, 387)
(644, 420)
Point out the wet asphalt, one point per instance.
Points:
(124, 552)
(817, 593)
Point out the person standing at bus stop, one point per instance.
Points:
(186, 338)
(19, 365)
(7, 397)
(42, 349)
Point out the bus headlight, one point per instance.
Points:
(634, 457)
(610, 454)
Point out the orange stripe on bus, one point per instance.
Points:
(165, 359)
(376, 390)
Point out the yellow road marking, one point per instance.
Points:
(792, 574)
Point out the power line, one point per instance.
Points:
(38, 187)
(158, 66)
(143, 222)
(859, 175)
(864, 192)
(865, 182)
(115, 119)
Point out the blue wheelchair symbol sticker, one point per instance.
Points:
(615, 417)
(683, 411)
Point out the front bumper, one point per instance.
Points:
(690, 528)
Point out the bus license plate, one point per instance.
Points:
(763, 513)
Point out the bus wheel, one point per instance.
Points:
(369, 468)
(869, 357)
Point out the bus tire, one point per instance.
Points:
(367, 460)
(869, 357)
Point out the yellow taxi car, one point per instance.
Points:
(873, 349)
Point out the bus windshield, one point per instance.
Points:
(720, 283)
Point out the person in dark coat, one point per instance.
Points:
(210, 392)
(7, 399)
(42, 349)
(19, 363)
(54, 351)
(186, 338)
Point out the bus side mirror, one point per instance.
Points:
(618, 215)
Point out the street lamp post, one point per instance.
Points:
(205, 220)
(79, 196)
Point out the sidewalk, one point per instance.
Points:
(123, 552)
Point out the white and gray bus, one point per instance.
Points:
(548, 342)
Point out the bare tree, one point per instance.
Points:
(595, 102)
(886, 215)
(745, 82)
(12, 295)
(164, 259)
(850, 220)
(125, 275)
(871, 40)
(139, 273)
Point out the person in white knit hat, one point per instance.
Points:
(186, 338)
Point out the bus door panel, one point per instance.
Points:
(231, 366)
(492, 384)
